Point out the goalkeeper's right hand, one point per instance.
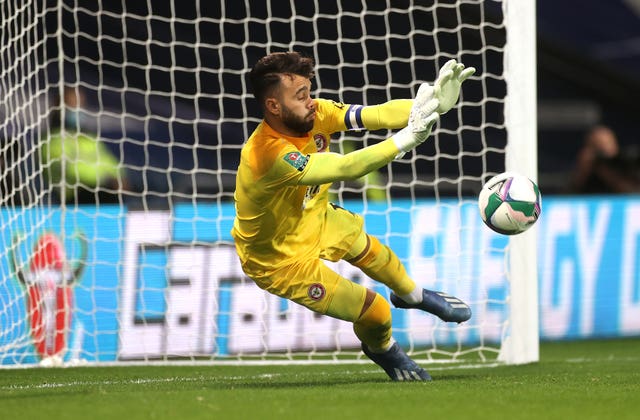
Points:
(422, 118)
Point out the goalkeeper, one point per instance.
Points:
(285, 225)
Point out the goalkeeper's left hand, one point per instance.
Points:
(446, 88)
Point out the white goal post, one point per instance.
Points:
(522, 346)
(121, 125)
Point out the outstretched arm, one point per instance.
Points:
(389, 115)
(395, 113)
(424, 112)
(324, 168)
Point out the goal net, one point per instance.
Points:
(121, 125)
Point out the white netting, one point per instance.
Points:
(121, 127)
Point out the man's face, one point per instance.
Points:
(297, 107)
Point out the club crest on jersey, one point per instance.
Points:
(321, 142)
(297, 160)
(316, 291)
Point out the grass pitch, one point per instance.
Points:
(573, 380)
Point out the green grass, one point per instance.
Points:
(573, 380)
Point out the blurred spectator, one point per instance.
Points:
(602, 167)
(81, 166)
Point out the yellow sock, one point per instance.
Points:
(381, 264)
(373, 327)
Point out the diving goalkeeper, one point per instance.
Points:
(285, 225)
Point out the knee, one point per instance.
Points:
(373, 255)
(377, 314)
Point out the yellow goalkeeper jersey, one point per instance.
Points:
(278, 221)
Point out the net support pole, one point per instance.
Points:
(521, 344)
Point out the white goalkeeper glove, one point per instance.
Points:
(430, 102)
(447, 85)
(422, 118)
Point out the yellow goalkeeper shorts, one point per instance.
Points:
(341, 229)
(311, 283)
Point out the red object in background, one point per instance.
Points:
(50, 296)
(48, 253)
(49, 310)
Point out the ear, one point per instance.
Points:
(272, 105)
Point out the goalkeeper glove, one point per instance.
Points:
(422, 118)
(447, 85)
(429, 103)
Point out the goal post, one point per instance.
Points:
(121, 127)
(522, 345)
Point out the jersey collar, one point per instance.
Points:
(299, 142)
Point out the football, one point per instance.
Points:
(510, 203)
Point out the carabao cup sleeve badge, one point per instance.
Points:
(297, 160)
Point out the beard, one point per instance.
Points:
(296, 123)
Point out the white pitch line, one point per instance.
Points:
(140, 381)
(608, 359)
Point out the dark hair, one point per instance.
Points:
(266, 73)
